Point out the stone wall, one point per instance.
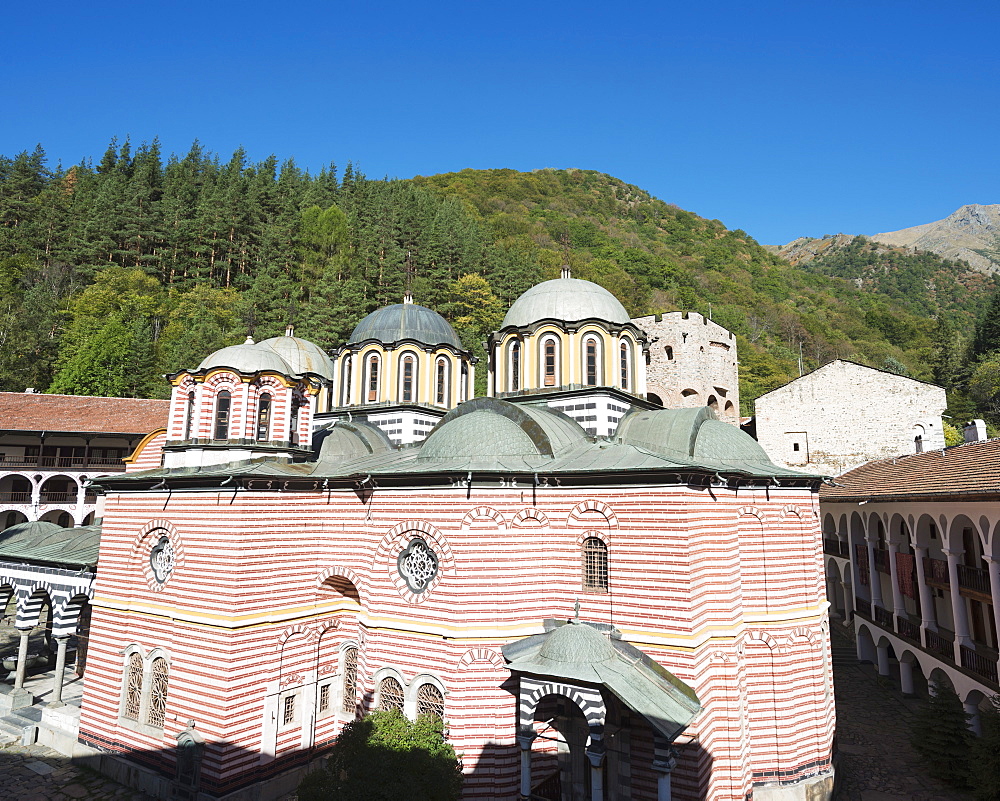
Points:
(845, 414)
(692, 362)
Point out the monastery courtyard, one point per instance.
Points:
(876, 762)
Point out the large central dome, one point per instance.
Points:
(568, 300)
(405, 321)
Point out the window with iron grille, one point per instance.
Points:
(324, 698)
(288, 711)
(430, 701)
(595, 565)
(350, 656)
(157, 693)
(133, 688)
(390, 694)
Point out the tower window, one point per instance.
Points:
(591, 363)
(373, 379)
(350, 656)
(407, 380)
(345, 399)
(550, 363)
(222, 415)
(625, 365)
(189, 415)
(390, 694)
(441, 387)
(515, 367)
(263, 417)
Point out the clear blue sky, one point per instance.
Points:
(784, 119)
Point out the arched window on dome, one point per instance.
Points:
(189, 415)
(372, 378)
(264, 417)
(442, 390)
(222, 403)
(550, 361)
(293, 425)
(593, 363)
(345, 382)
(465, 381)
(407, 379)
(625, 365)
(514, 366)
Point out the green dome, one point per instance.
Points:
(301, 355)
(247, 358)
(485, 428)
(568, 300)
(402, 321)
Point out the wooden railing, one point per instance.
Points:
(883, 617)
(57, 497)
(979, 664)
(70, 462)
(15, 497)
(975, 579)
(908, 629)
(939, 645)
(863, 607)
(936, 572)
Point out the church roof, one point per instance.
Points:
(578, 652)
(44, 542)
(566, 299)
(403, 321)
(31, 411)
(247, 358)
(301, 355)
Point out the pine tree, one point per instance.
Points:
(942, 737)
(984, 760)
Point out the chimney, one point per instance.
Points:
(975, 431)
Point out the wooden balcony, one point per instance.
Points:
(883, 617)
(974, 582)
(15, 497)
(63, 462)
(908, 629)
(981, 661)
(939, 645)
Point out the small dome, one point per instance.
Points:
(566, 299)
(485, 428)
(302, 355)
(247, 358)
(577, 643)
(405, 321)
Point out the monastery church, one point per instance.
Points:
(604, 588)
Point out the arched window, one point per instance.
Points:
(345, 382)
(406, 379)
(293, 423)
(430, 701)
(350, 657)
(390, 694)
(626, 366)
(550, 362)
(222, 404)
(133, 688)
(157, 693)
(595, 565)
(372, 379)
(593, 373)
(670, 352)
(189, 415)
(441, 393)
(263, 417)
(465, 381)
(515, 366)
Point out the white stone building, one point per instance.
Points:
(845, 414)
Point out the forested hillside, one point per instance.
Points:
(116, 272)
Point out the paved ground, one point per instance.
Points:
(873, 735)
(35, 773)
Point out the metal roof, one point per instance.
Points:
(301, 355)
(247, 358)
(578, 652)
(402, 321)
(566, 299)
(48, 543)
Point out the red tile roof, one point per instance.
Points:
(966, 470)
(29, 411)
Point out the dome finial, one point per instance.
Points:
(289, 330)
(248, 340)
(407, 297)
(566, 272)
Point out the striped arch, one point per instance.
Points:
(521, 519)
(30, 601)
(792, 511)
(482, 655)
(603, 536)
(484, 513)
(750, 511)
(533, 690)
(340, 570)
(755, 635)
(576, 517)
(66, 615)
